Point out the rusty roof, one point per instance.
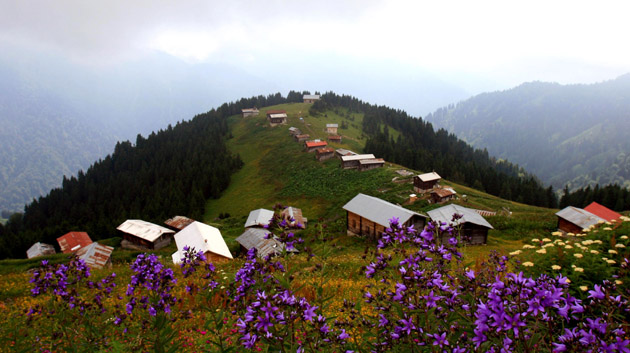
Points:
(255, 238)
(296, 214)
(179, 222)
(310, 144)
(325, 150)
(334, 137)
(444, 192)
(73, 241)
(95, 255)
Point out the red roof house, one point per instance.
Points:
(73, 241)
(314, 145)
(602, 211)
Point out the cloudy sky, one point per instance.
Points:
(474, 45)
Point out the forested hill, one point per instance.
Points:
(565, 134)
(171, 172)
(420, 147)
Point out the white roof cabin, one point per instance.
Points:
(143, 229)
(258, 218)
(429, 176)
(201, 237)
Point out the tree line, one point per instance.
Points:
(420, 147)
(613, 196)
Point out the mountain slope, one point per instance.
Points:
(573, 134)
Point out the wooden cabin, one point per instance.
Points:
(311, 98)
(443, 195)
(573, 220)
(426, 182)
(40, 249)
(178, 223)
(302, 137)
(141, 235)
(299, 221)
(353, 161)
(312, 146)
(276, 117)
(369, 216)
(96, 255)
(323, 154)
(340, 152)
(247, 112)
(202, 237)
(602, 211)
(294, 131)
(472, 226)
(332, 128)
(258, 218)
(334, 138)
(73, 241)
(367, 164)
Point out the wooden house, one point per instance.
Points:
(472, 226)
(340, 152)
(353, 161)
(255, 238)
(294, 213)
(425, 182)
(249, 112)
(369, 216)
(367, 164)
(332, 128)
(311, 98)
(202, 237)
(259, 218)
(302, 137)
(40, 249)
(323, 154)
(312, 146)
(96, 255)
(573, 220)
(294, 131)
(334, 138)
(442, 195)
(140, 235)
(602, 212)
(73, 241)
(178, 223)
(276, 117)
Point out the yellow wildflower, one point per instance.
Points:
(611, 262)
(583, 288)
(568, 247)
(578, 269)
(515, 252)
(594, 252)
(619, 245)
(541, 251)
(546, 240)
(528, 264)
(555, 267)
(578, 255)
(611, 251)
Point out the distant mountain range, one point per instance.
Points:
(571, 135)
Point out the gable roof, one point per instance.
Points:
(276, 112)
(143, 229)
(277, 115)
(332, 125)
(202, 237)
(357, 157)
(311, 96)
(296, 214)
(429, 176)
(325, 150)
(377, 210)
(310, 144)
(258, 218)
(39, 249)
(469, 215)
(372, 161)
(73, 241)
(602, 211)
(95, 255)
(179, 222)
(255, 238)
(345, 152)
(444, 192)
(579, 217)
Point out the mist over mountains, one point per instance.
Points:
(572, 135)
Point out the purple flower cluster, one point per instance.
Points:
(191, 261)
(252, 272)
(62, 281)
(282, 229)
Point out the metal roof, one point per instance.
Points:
(39, 249)
(259, 217)
(345, 152)
(429, 176)
(296, 214)
(579, 217)
(95, 255)
(249, 110)
(73, 241)
(179, 222)
(276, 112)
(372, 161)
(444, 192)
(325, 150)
(377, 210)
(445, 214)
(311, 96)
(316, 143)
(202, 237)
(357, 157)
(143, 229)
(602, 211)
(332, 125)
(279, 115)
(255, 238)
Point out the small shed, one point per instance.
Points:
(334, 138)
(139, 234)
(178, 223)
(202, 237)
(249, 112)
(602, 212)
(276, 117)
(259, 218)
(573, 220)
(294, 131)
(323, 154)
(96, 255)
(369, 216)
(340, 152)
(255, 238)
(442, 195)
(426, 181)
(312, 146)
(73, 241)
(472, 226)
(332, 128)
(367, 164)
(296, 214)
(311, 98)
(40, 249)
(353, 161)
(302, 137)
